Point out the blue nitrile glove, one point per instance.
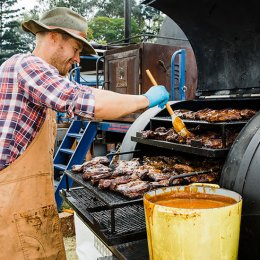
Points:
(157, 95)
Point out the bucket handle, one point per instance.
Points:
(210, 185)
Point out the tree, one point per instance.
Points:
(11, 40)
(106, 21)
(147, 18)
(105, 30)
(85, 8)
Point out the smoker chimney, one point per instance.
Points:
(127, 13)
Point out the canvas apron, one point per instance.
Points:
(29, 221)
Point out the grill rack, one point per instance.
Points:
(114, 218)
(113, 226)
(222, 126)
(207, 152)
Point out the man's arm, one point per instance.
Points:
(111, 105)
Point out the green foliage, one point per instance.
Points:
(144, 19)
(106, 21)
(106, 30)
(85, 8)
(11, 38)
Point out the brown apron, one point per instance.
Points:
(29, 221)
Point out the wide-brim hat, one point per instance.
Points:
(62, 20)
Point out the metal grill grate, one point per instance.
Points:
(87, 199)
(113, 226)
(127, 219)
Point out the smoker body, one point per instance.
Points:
(225, 37)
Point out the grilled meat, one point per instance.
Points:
(100, 160)
(97, 177)
(182, 168)
(133, 189)
(172, 136)
(104, 183)
(135, 179)
(208, 177)
(77, 168)
(247, 113)
(138, 174)
(96, 160)
(208, 139)
(97, 169)
(125, 167)
(213, 115)
(184, 113)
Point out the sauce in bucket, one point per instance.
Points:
(192, 222)
(193, 200)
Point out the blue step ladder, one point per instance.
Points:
(72, 150)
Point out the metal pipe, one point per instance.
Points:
(181, 77)
(127, 14)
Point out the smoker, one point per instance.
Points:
(225, 36)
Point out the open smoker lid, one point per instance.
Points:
(225, 37)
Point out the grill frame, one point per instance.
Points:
(112, 226)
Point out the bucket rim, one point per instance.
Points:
(209, 190)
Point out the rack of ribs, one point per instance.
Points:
(95, 170)
(133, 178)
(216, 115)
(209, 139)
(125, 167)
(133, 189)
(96, 160)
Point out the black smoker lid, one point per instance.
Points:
(225, 37)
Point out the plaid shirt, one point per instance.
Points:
(28, 86)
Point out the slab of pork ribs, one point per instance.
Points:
(216, 115)
(209, 139)
(96, 160)
(133, 179)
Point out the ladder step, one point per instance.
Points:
(74, 135)
(68, 151)
(60, 167)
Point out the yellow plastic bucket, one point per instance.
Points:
(192, 233)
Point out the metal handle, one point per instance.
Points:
(185, 175)
(119, 153)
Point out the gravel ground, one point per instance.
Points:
(70, 247)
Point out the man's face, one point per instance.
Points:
(67, 53)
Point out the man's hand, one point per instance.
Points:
(157, 95)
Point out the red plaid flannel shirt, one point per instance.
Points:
(28, 86)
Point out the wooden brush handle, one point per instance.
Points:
(168, 106)
(178, 124)
(150, 76)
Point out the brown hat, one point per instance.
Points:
(62, 19)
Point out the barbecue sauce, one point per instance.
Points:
(193, 201)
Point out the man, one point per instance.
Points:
(31, 87)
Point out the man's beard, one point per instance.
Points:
(60, 66)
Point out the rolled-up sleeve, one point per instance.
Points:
(42, 85)
(84, 104)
